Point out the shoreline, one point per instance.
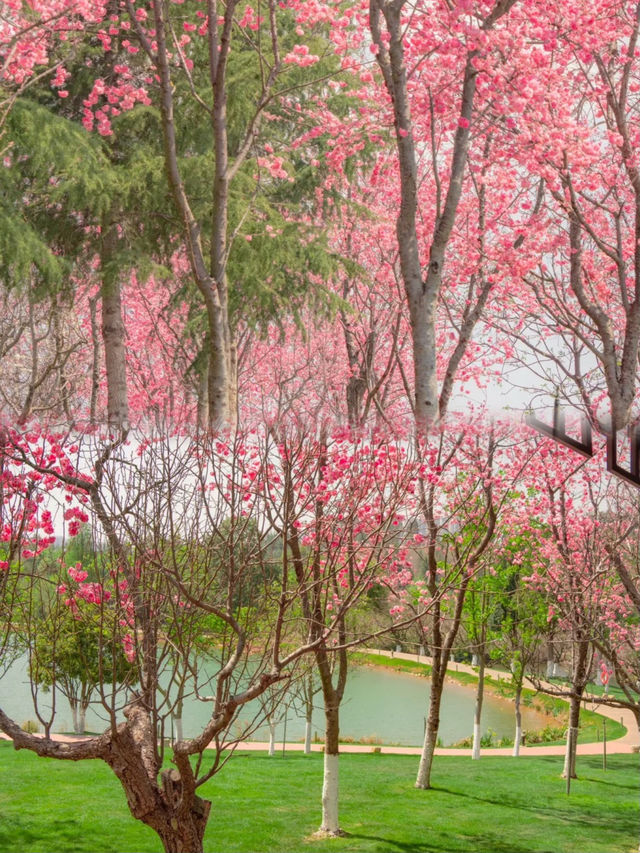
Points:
(628, 743)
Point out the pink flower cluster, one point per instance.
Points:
(300, 56)
(114, 99)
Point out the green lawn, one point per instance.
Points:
(272, 804)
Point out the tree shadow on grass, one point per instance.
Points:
(615, 763)
(608, 783)
(481, 843)
(16, 835)
(569, 813)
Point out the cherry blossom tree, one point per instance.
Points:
(462, 496)
(583, 318)
(576, 572)
(207, 550)
(191, 49)
(405, 44)
(31, 36)
(348, 532)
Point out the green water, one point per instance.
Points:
(378, 703)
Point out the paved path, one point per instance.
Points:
(626, 744)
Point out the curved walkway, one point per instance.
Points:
(628, 743)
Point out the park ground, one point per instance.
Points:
(263, 804)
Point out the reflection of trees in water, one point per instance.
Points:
(378, 703)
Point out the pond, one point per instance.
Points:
(380, 704)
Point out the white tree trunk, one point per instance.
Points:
(74, 715)
(426, 759)
(82, 717)
(475, 754)
(477, 713)
(330, 822)
(567, 755)
(272, 737)
(517, 742)
(423, 779)
(177, 728)
(569, 768)
(307, 737)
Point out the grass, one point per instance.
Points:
(263, 804)
(397, 664)
(590, 722)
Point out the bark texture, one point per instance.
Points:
(113, 332)
(423, 779)
(580, 675)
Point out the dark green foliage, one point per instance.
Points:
(79, 649)
(56, 183)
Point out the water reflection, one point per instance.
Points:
(378, 704)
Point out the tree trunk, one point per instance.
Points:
(272, 736)
(518, 737)
(332, 696)
(181, 830)
(95, 361)
(551, 661)
(569, 768)
(330, 822)
(422, 314)
(422, 292)
(177, 725)
(182, 839)
(222, 366)
(212, 283)
(113, 333)
(308, 693)
(82, 718)
(330, 796)
(74, 715)
(580, 675)
(423, 779)
(169, 807)
(477, 717)
(219, 380)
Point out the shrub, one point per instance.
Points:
(487, 738)
(546, 735)
(465, 743)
